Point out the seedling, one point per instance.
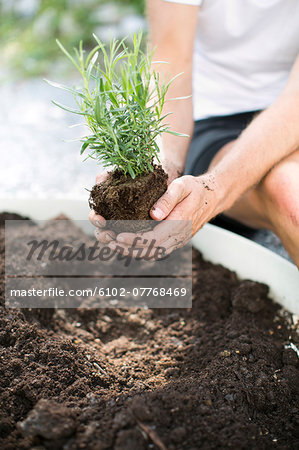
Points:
(121, 98)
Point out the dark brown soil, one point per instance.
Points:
(216, 376)
(123, 198)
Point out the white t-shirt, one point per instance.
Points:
(243, 53)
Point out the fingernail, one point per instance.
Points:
(99, 223)
(121, 239)
(108, 236)
(158, 213)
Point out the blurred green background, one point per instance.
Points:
(38, 156)
(28, 29)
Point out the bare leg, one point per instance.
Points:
(273, 203)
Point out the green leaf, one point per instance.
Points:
(179, 98)
(131, 172)
(84, 147)
(102, 89)
(113, 98)
(66, 108)
(150, 167)
(175, 133)
(91, 65)
(97, 111)
(68, 89)
(68, 55)
(91, 56)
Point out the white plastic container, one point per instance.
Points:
(251, 261)
(248, 259)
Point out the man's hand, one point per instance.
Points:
(187, 198)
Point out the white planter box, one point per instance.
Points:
(248, 259)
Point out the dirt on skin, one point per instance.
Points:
(120, 197)
(212, 377)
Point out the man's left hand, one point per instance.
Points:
(187, 198)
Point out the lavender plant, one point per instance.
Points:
(122, 101)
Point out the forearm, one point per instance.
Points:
(174, 148)
(174, 45)
(272, 136)
(179, 112)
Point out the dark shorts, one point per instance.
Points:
(209, 136)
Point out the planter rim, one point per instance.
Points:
(248, 259)
(251, 261)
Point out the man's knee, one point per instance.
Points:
(280, 187)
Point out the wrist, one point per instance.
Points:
(226, 189)
(173, 169)
(173, 156)
(215, 193)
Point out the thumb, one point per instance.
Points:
(176, 192)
